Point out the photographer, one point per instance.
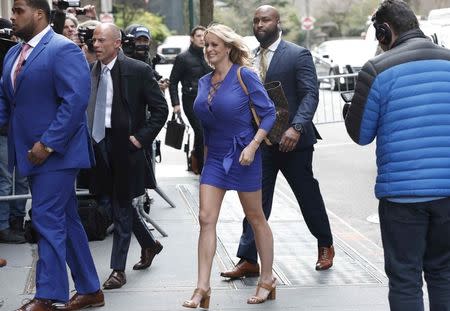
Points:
(64, 8)
(85, 34)
(70, 29)
(402, 99)
(136, 45)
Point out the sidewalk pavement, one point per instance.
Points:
(356, 282)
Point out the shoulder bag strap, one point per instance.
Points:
(252, 108)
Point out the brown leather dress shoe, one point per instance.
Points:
(147, 256)
(116, 279)
(2, 262)
(78, 302)
(325, 258)
(242, 269)
(37, 305)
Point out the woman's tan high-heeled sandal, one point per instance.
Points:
(204, 302)
(272, 288)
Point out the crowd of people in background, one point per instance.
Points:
(101, 113)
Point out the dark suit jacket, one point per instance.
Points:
(293, 66)
(136, 92)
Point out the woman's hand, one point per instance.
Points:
(248, 154)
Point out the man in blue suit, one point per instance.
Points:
(44, 102)
(292, 65)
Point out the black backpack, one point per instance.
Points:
(95, 218)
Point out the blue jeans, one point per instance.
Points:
(416, 240)
(10, 209)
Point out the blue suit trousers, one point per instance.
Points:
(62, 237)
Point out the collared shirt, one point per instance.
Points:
(109, 92)
(32, 43)
(270, 51)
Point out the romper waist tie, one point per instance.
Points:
(242, 140)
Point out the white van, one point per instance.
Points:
(439, 16)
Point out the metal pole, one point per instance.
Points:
(308, 32)
(191, 15)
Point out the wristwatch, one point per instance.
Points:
(299, 128)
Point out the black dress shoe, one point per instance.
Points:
(116, 279)
(147, 256)
(11, 237)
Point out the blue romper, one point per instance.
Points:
(228, 129)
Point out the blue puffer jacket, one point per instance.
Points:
(403, 99)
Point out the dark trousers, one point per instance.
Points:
(416, 239)
(296, 167)
(188, 108)
(125, 217)
(126, 220)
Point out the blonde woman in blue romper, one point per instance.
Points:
(232, 158)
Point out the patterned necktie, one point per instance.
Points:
(263, 64)
(23, 53)
(98, 127)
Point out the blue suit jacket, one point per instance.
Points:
(48, 105)
(293, 66)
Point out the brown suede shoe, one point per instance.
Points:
(78, 302)
(325, 258)
(2, 262)
(242, 269)
(37, 305)
(147, 256)
(116, 279)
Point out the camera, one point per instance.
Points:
(64, 4)
(6, 33)
(130, 47)
(80, 11)
(128, 44)
(86, 34)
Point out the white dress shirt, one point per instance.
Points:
(32, 43)
(109, 92)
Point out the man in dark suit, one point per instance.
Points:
(45, 104)
(122, 91)
(292, 65)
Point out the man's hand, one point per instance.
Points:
(163, 84)
(177, 109)
(90, 11)
(135, 142)
(37, 155)
(289, 140)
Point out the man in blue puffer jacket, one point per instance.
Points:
(402, 98)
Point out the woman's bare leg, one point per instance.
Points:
(210, 202)
(252, 205)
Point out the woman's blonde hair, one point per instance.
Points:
(239, 53)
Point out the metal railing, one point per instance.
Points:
(330, 105)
